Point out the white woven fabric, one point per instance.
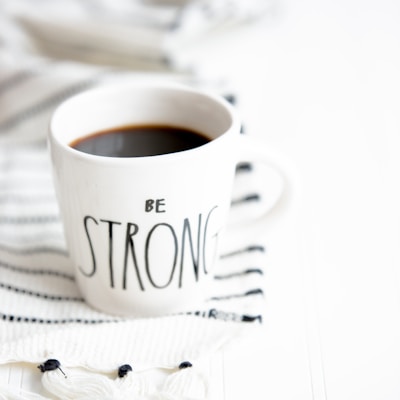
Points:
(42, 314)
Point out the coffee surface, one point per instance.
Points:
(139, 141)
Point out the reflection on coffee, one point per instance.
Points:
(139, 141)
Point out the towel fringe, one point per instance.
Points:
(7, 393)
(182, 383)
(186, 383)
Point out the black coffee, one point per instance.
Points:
(139, 141)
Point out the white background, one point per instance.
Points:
(320, 82)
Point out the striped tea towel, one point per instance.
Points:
(42, 314)
(129, 33)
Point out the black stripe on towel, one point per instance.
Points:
(30, 271)
(61, 321)
(46, 103)
(239, 273)
(18, 198)
(244, 167)
(248, 249)
(29, 219)
(252, 292)
(28, 251)
(246, 199)
(214, 313)
(15, 80)
(39, 295)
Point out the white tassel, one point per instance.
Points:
(134, 386)
(19, 394)
(78, 386)
(185, 384)
(84, 386)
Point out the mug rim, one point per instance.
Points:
(234, 125)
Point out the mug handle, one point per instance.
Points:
(273, 174)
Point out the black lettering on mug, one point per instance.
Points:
(131, 231)
(149, 205)
(187, 233)
(110, 248)
(147, 258)
(205, 239)
(156, 205)
(85, 224)
(189, 247)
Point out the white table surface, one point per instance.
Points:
(320, 82)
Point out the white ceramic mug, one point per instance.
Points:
(143, 232)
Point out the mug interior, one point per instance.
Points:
(112, 107)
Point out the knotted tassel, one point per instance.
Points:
(132, 385)
(78, 386)
(184, 384)
(84, 386)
